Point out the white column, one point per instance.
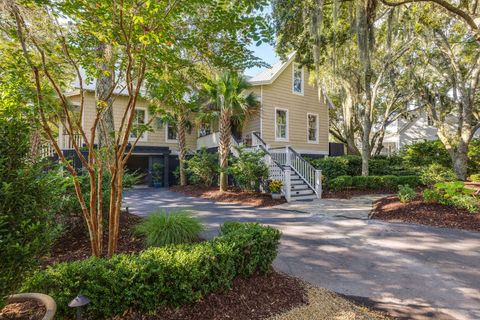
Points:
(60, 136)
(287, 186)
(318, 183)
(287, 156)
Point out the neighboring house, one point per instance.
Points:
(416, 127)
(292, 121)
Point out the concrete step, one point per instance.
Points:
(296, 181)
(300, 186)
(302, 192)
(307, 197)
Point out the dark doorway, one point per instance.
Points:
(139, 164)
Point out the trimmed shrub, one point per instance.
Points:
(249, 169)
(166, 276)
(332, 167)
(406, 193)
(340, 183)
(373, 182)
(176, 227)
(354, 165)
(203, 168)
(436, 173)
(475, 177)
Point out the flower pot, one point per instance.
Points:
(157, 184)
(47, 301)
(276, 196)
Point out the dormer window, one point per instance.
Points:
(297, 81)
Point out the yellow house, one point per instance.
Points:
(292, 122)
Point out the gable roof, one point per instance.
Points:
(268, 76)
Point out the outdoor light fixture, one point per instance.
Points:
(79, 302)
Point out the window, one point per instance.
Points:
(281, 124)
(297, 83)
(137, 126)
(312, 127)
(171, 133)
(204, 130)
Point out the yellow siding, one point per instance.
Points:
(279, 95)
(156, 138)
(253, 123)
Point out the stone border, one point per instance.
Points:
(47, 301)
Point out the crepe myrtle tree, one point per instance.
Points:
(145, 36)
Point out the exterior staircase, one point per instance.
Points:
(301, 181)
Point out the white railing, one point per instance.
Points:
(277, 172)
(302, 168)
(208, 141)
(279, 154)
(66, 142)
(47, 150)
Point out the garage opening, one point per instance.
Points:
(139, 164)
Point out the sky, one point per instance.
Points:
(264, 52)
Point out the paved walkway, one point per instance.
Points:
(414, 271)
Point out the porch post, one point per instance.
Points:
(287, 156)
(287, 186)
(166, 170)
(318, 183)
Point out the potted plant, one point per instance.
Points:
(275, 187)
(157, 175)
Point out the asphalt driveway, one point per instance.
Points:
(413, 271)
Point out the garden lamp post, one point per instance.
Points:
(79, 302)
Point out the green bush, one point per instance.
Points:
(165, 276)
(249, 169)
(406, 193)
(453, 194)
(29, 197)
(354, 165)
(373, 182)
(475, 177)
(340, 183)
(176, 227)
(203, 168)
(436, 173)
(425, 153)
(69, 204)
(474, 156)
(332, 167)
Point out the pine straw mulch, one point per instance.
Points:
(25, 310)
(417, 211)
(235, 195)
(74, 243)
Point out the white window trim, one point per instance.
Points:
(295, 65)
(316, 141)
(144, 137)
(287, 129)
(166, 135)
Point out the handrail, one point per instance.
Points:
(303, 168)
(260, 138)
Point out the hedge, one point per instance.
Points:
(164, 276)
(373, 182)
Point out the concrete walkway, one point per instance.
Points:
(413, 271)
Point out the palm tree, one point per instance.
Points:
(176, 102)
(228, 99)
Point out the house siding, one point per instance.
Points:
(253, 124)
(155, 138)
(279, 95)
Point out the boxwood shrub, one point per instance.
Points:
(373, 182)
(166, 276)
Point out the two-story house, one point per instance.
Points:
(292, 122)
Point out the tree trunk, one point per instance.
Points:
(182, 149)
(103, 97)
(35, 144)
(224, 144)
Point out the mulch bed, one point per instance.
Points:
(74, 243)
(254, 199)
(349, 193)
(417, 211)
(26, 310)
(258, 297)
